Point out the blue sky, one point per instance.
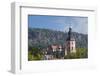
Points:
(59, 23)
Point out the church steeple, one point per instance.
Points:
(70, 43)
(70, 36)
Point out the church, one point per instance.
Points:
(70, 43)
(57, 51)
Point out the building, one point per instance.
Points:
(56, 47)
(58, 51)
(70, 43)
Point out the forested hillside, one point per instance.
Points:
(44, 37)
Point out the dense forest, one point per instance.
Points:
(44, 37)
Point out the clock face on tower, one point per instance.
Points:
(57, 37)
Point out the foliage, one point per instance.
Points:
(35, 54)
(80, 53)
(45, 37)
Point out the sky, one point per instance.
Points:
(59, 23)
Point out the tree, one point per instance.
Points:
(80, 53)
(35, 54)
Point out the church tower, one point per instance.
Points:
(70, 43)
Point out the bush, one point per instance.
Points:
(35, 54)
(80, 53)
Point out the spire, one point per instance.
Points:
(70, 30)
(70, 36)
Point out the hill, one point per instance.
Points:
(45, 37)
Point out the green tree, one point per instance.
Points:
(80, 53)
(35, 54)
